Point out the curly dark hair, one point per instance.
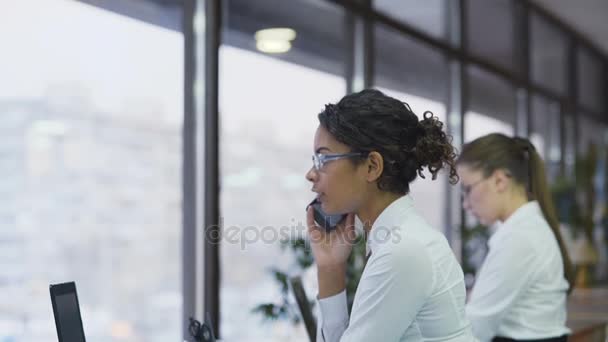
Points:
(372, 121)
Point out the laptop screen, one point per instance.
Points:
(69, 318)
(67, 312)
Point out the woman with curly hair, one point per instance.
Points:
(368, 148)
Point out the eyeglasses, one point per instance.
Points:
(319, 159)
(466, 190)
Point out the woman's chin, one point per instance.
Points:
(326, 208)
(329, 210)
(483, 221)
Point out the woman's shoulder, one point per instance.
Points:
(415, 241)
(410, 238)
(528, 232)
(418, 230)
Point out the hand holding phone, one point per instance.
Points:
(331, 240)
(328, 222)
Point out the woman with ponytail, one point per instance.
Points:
(368, 148)
(520, 291)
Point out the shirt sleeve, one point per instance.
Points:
(392, 290)
(333, 317)
(504, 274)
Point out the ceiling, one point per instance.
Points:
(587, 17)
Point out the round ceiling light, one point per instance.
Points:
(274, 40)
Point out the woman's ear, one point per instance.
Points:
(374, 166)
(502, 179)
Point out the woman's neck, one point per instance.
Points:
(515, 201)
(374, 207)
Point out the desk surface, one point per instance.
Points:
(588, 310)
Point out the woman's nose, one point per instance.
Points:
(311, 174)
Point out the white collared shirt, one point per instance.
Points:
(412, 288)
(520, 291)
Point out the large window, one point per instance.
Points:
(545, 133)
(570, 136)
(548, 55)
(590, 132)
(598, 136)
(591, 81)
(268, 112)
(491, 109)
(428, 16)
(491, 106)
(591, 160)
(491, 31)
(415, 74)
(90, 155)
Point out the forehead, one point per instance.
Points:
(467, 173)
(324, 139)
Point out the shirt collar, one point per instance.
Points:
(390, 218)
(522, 213)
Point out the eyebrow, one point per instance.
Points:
(321, 149)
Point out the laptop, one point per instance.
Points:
(67, 312)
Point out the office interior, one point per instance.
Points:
(154, 151)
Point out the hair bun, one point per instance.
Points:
(410, 136)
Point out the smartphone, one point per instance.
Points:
(328, 222)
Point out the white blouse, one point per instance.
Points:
(412, 288)
(520, 291)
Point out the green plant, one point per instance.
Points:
(563, 192)
(604, 216)
(586, 167)
(576, 205)
(574, 199)
(286, 309)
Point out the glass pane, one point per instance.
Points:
(548, 55)
(422, 83)
(426, 15)
(591, 81)
(92, 108)
(590, 131)
(591, 181)
(491, 109)
(491, 31)
(569, 146)
(269, 106)
(545, 133)
(491, 105)
(410, 67)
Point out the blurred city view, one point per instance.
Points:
(90, 158)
